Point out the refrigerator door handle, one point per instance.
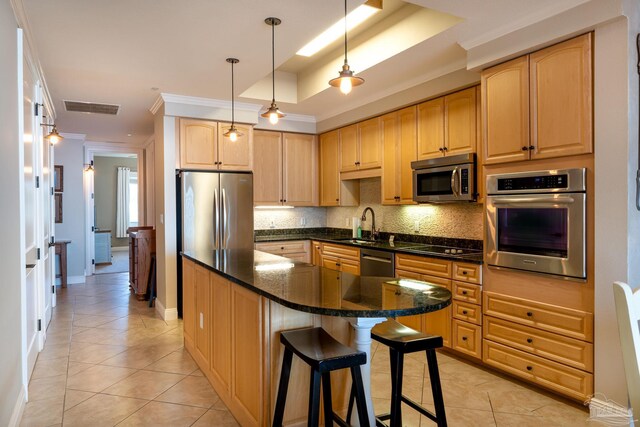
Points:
(223, 232)
(216, 220)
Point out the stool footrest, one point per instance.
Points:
(419, 408)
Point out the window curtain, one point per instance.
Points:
(122, 201)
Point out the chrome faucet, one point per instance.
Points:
(374, 232)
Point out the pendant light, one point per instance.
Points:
(53, 137)
(232, 133)
(272, 113)
(346, 80)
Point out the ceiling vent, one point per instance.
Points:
(90, 107)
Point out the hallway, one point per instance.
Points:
(111, 360)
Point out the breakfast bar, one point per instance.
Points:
(237, 302)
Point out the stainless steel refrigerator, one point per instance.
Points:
(216, 211)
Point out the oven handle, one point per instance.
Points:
(559, 200)
(454, 190)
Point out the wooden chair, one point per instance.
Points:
(628, 310)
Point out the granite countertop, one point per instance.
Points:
(318, 290)
(409, 244)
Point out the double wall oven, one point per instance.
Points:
(536, 222)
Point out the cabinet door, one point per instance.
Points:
(439, 322)
(561, 99)
(198, 144)
(407, 132)
(391, 159)
(505, 111)
(203, 319)
(316, 253)
(188, 302)
(431, 129)
(414, 322)
(370, 144)
(329, 173)
(247, 350)
(349, 148)
(236, 155)
(460, 122)
(300, 171)
(221, 330)
(330, 262)
(267, 168)
(350, 266)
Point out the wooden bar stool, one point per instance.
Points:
(402, 340)
(323, 354)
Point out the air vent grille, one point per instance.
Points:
(91, 107)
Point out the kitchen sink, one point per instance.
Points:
(357, 241)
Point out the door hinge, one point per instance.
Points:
(52, 191)
(37, 182)
(53, 240)
(39, 325)
(38, 253)
(93, 228)
(53, 289)
(91, 196)
(93, 262)
(36, 109)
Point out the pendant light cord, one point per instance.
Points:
(233, 109)
(273, 61)
(638, 171)
(345, 31)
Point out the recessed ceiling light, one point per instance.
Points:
(355, 18)
(129, 134)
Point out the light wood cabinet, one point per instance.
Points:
(467, 338)
(341, 258)
(298, 250)
(285, 170)
(447, 125)
(204, 146)
(203, 319)
(221, 331)
(549, 90)
(188, 302)
(333, 191)
(399, 138)
(468, 312)
(361, 146)
(316, 253)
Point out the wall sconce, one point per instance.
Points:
(53, 137)
(89, 167)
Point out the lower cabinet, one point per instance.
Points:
(341, 258)
(297, 250)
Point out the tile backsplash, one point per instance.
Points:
(451, 220)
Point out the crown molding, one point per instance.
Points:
(518, 24)
(165, 98)
(299, 118)
(78, 136)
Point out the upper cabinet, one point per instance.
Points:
(285, 169)
(540, 105)
(204, 146)
(333, 191)
(399, 144)
(447, 125)
(361, 146)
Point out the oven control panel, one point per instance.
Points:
(533, 183)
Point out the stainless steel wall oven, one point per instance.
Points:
(536, 221)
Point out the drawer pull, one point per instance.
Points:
(529, 340)
(464, 272)
(281, 247)
(530, 314)
(464, 338)
(529, 368)
(337, 264)
(464, 292)
(464, 311)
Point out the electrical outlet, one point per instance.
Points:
(346, 222)
(303, 221)
(416, 225)
(272, 223)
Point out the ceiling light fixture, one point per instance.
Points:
(331, 34)
(232, 133)
(346, 80)
(53, 137)
(272, 113)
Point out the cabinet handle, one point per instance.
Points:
(531, 147)
(464, 292)
(440, 149)
(337, 200)
(445, 148)
(464, 272)
(525, 148)
(337, 264)
(529, 314)
(529, 340)
(285, 200)
(464, 338)
(529, 368)
(464, 311)
(282, 247)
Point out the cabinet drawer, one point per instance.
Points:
(423, 265)
(569, 351)
(349, 266)
(341, 251)
(467, 338)
(302, 257)
(565, 321)
(467, 312)
(331, 263)
(467, 292)
(278, 248)
(563, 379)
(471, 273)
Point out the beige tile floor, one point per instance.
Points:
(110, 360)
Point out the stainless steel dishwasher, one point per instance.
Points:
(376, 263)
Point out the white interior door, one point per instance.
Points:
(50, 274)
(45, 219)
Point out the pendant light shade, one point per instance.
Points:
(272, 113)
(53, 137)
(232, 133)
(346, 80)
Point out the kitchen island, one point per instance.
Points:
(237, 302)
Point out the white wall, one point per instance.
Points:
(11, 258)
(70, 154)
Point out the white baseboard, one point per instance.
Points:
(167, 314)
(18, 408)
(74, 280)
(119, 248)
(608, 411)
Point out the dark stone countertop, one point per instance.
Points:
(420, 245)
(318, 290)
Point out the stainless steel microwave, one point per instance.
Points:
(445, 179)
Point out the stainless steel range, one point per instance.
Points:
(535, 221)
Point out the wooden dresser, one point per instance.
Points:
(142, 243)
